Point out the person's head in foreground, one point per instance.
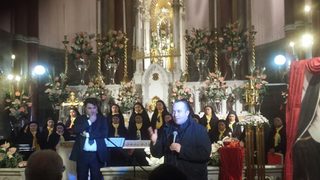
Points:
(44, 164)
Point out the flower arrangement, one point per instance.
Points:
(181, 91)
(215, 156)
(233, 40)
(9, 157)
(127, 96)
(56, 89)
(254, 120)
(96, 88)
(81, 47)
(113, 46)
(214, 88)
(18, 105)
(199, 42)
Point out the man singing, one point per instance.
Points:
(89, 150)
(183, 143)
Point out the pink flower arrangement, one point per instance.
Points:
(181, 91)
(233, 40)
(81, 48)
(214, 87)
(258, 78)
(18, 105)
(199, 42)
(113, 46)
(9, 157)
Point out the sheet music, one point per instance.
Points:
(115, 142)
(136, 144)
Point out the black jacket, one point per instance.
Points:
(195, 148)
(98, 132)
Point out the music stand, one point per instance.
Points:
(136, 144)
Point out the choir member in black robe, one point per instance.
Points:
(158, 116)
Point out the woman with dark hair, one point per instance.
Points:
(116, 122)
(118, 156)
(73, 114)
(232, 122)
(157, 119)
(46, 133)
(139, 123)
(221, 132)
(209, 119)
(33, 136)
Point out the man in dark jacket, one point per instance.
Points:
(90, 150)
(183, 143)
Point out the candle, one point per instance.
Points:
(230, 134)
(124, 15)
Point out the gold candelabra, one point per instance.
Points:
(215, 53)
(125, 76)
(99, 44)
(253, 51)
(65, 43)
(251, 95)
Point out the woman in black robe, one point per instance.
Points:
(118, 156)
(158, 116)
(209, 119)
(138, 130)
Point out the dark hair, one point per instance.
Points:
(214, 116)
(235, 114)
(119, 109)
(93, 101)
(44, 164)
(164, 107)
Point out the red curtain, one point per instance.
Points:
(297, 74)
(231, 163)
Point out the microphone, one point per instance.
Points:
(175, 133)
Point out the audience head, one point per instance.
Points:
(44, 164)
(168, 172)
(180, 112)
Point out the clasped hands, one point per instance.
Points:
(154, 136)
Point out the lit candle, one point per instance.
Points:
(230, 134)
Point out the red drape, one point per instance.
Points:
(231, 163)
(297, 73)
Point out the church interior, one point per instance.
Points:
(235, 56)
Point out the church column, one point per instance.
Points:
(138, 42)
(176, 38)
(25, 46)
(146, 32)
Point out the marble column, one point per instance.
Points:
(176, 38)
(138, 42)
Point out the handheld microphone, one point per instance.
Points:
(175, 133)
